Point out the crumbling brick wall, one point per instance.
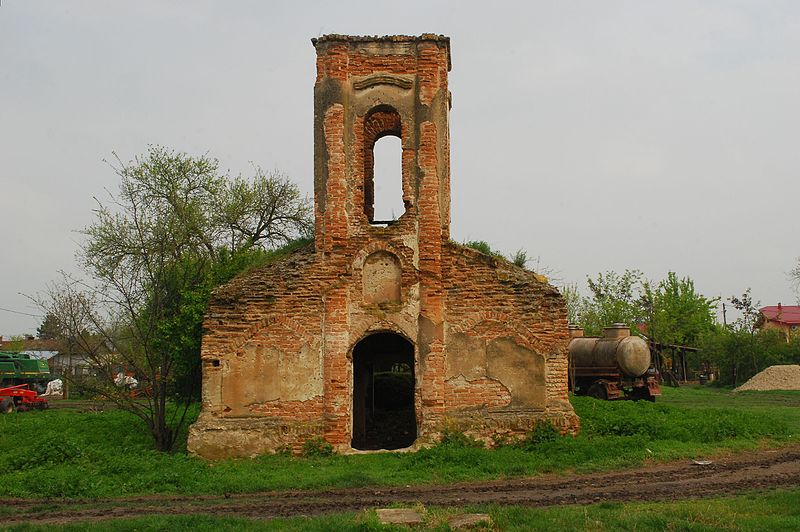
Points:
(489, 339)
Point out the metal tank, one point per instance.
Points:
(613, 366)
(616, 350)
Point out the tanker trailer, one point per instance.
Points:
(613, 366)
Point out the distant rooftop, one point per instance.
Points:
(788, 314)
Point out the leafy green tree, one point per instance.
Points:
(614, 298)
(740, 354)
(679, 315)
(175, 229)
(574, 302)
(748, 312)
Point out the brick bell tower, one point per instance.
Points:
(368, 88)
(384, 333)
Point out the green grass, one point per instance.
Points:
(786, 404)
(771, 511)
(63, 453)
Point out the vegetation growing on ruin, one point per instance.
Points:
(68, 453)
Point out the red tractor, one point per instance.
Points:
(20, 397)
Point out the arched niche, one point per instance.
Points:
(381, 278)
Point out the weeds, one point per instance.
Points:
(62, 453)
(317, 448)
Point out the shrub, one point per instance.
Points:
(454, 438)
(50, 450)
(542, 432)
(317, 447)
(519, 258)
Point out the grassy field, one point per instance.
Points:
(772, 511)
(63, 453)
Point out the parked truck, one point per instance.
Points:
(613, 366)
(21, 368)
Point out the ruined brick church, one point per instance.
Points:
(382, 334)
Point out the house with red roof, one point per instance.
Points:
(785, 318)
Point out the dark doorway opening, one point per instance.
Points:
(383, 393)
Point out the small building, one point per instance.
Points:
(382, 334)
(785, 318)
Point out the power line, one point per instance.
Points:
(23, 313)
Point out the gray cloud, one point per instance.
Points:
(652, 135)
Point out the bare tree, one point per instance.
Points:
(151, 258)
(265, 211)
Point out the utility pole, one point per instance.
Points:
(724, 315)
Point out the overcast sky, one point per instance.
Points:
(595, 135)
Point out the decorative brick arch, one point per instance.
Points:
(363, 330)
(372, 247)
(271, 321)
(522, 335)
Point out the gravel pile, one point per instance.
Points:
(774, 378)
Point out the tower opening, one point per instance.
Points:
(383, 393)
(383, 202)
(388, 179)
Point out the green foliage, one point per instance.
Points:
(614, 298)
(519, 258)
(48, 451)
(749, 319)
(180, 332)
(317, 448)
(655, 422)
(456, 439)
(739, 352)
(175, 230)
(671, 312)
(575, 304)
(680, 315)
(542, 433)
(483, 247)
(110, 454)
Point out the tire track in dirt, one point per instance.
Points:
(657, 482)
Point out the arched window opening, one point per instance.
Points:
(383, 166)
(383, 393)
(388, 180)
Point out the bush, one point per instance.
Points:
(739, 354)
(317, 447)
(50, 450)
(454, 438)
(543, 432)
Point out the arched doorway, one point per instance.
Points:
(383, 393)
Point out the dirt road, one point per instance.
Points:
(670, 481)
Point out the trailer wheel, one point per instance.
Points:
(598, 391)
(7, 406)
